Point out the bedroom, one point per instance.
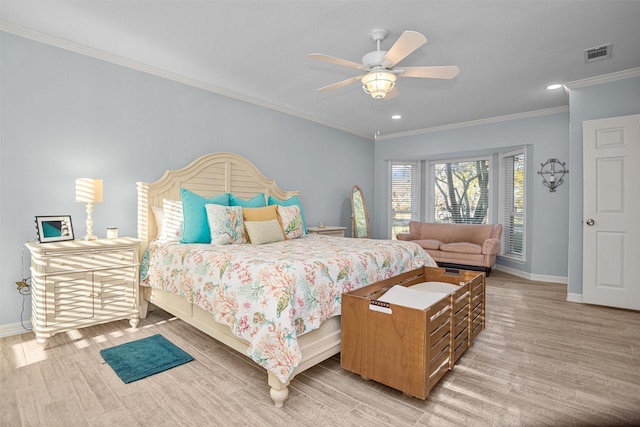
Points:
(66, 114)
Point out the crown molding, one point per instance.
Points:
(490, 120)
(61, 43)
(605, 78)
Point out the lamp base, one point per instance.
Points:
(91, 237)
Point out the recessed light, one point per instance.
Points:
(554, 86)
(396, 117)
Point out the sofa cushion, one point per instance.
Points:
(429, 243)
(462, 247)
(474, 233)
(432, 231)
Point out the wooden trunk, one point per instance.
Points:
(410, 349)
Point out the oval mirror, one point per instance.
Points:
(359, 214)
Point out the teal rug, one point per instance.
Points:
(139, 359)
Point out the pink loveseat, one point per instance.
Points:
(471, 245)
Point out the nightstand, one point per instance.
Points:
(327, 231)
(81, 283)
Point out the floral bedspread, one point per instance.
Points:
(271, 294)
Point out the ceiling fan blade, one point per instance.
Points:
(433, 72)
(338, 61)
(408, 42)
(340, 84)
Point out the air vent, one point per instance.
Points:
(597, 53)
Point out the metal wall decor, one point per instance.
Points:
(552, 172)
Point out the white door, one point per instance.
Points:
(611, 231)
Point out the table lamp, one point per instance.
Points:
(89, 191)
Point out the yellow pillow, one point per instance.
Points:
(258, 220)
(260, 214)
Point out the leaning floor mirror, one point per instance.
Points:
(359, 214)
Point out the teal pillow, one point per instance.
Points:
(256, 201)
(195, 228)
(291, 201)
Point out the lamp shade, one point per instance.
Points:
(378, 83)
(88, 190)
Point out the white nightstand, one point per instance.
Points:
(327, 230)
(82, 283)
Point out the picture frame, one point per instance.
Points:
(54, 228)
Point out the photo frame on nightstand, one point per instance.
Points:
(54, 228)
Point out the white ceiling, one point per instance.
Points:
(507, 51)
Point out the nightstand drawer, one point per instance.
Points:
(89, 261)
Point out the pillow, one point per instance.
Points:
(260, 214)
(170, 229)
(226, 224)
(295, 200)
(260, 232)
(195, 228)
(256, 201)
(158, 214)
(291, 221)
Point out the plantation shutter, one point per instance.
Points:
(513, 208)
(405, 199)
(507, 221)
(431, 206)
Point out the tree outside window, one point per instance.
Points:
(461, 193)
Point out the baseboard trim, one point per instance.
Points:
(574, 297)
(14, 329)
(533, 277)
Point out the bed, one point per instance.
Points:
(277, 303)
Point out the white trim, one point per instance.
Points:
(530, 276)
(14, 329)
(574, 297)
(508, 117)
(158, 72)
(605, 78)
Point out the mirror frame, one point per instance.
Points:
(354, 189)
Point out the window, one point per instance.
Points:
(513, 198)
(405, 195)
(459, 191)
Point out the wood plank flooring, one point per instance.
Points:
(540, 361)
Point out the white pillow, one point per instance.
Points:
(264, 231)
(158, 214)
(226, 224)
(171, 229)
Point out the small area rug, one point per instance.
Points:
(139, 359)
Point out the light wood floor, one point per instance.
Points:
(540, 361)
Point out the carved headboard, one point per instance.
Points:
(208, 175)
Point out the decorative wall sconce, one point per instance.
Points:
(552, 172)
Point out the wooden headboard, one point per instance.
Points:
(209, 175)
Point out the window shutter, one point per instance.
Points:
(513, 208)
(405, 195)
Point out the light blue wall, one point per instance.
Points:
(65, 116)
(547, 213)
(618, 98)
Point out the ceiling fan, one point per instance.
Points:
(380, 74)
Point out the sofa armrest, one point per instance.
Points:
(491, 246)
(407, 236)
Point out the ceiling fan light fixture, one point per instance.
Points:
(378, 83)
